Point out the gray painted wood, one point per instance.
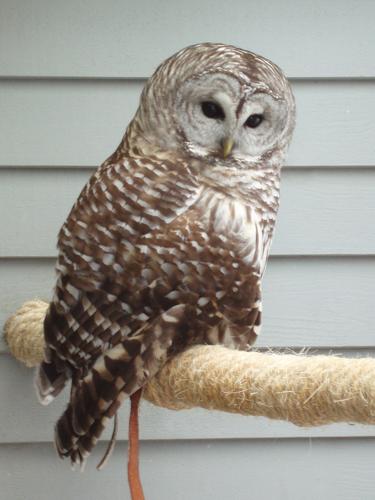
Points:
(339, 206)
(81, 122)
(126, 38)
(318, 302)
(25, 420)
(203, 470)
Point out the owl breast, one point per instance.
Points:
(236, 224)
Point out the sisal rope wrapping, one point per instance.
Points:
(23, 332)
(305, 390)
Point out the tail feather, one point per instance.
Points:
(50, 380)
(94, 400)
(115, 375)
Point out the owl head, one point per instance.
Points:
(220, 103)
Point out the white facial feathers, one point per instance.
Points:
(204, 135)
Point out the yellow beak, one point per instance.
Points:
(227, 146)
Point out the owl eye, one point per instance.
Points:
(212, 110)
(254, 120)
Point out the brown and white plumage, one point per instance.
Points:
(167, 243)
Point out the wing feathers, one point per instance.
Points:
(115, 375)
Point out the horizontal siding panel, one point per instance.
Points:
(201, 470)
(318, 302)
(80, 122)
(322, 211)
(93, 38)
(24, 420)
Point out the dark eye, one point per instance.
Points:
(212, 110)
(254, 121)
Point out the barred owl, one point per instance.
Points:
(167, 243)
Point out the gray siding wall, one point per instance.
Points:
(70, 78)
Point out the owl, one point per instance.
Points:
(167, 243)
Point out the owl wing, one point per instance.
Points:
(108, 289)
(99, 263)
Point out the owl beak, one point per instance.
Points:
(227, 145)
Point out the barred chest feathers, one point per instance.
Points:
(243, 213)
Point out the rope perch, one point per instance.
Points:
(305, 390)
